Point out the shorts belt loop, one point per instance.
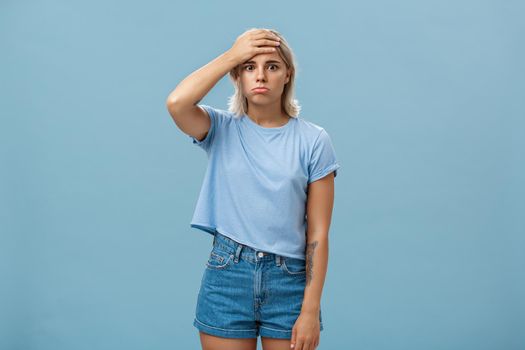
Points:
(278, 260)
(238, 253)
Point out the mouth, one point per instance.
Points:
(260, 90)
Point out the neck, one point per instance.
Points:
(267, 115)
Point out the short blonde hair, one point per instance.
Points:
(238, 103)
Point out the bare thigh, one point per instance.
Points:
(211, 342)
(275, 344)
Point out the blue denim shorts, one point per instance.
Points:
(246, 292)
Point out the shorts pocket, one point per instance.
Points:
(294, 266)
(219, 259)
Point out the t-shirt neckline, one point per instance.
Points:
(267, 129)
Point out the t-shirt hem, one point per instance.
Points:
(213, 229)
(204, 227)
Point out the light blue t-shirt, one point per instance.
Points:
(255, 187)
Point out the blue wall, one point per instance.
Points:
(424, 102)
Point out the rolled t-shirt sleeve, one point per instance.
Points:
(323, 160)
(207, 142)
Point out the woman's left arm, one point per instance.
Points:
(319, 207)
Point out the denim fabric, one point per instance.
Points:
(245, 292)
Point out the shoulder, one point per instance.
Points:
(310, 130)
(218, 114)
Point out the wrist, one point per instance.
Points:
(310, 308)
(230, 58)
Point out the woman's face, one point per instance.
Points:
(264, 70)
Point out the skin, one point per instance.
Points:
(270, 71)
(306, 331)
(265, 110)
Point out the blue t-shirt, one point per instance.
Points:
(256, 182)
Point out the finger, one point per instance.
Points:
(260, 33)
(266, 35)
(307, 345)
(265, 49)
(299, 345)
(293, 340)
(263, 42)
(272, 36)
(266, 43)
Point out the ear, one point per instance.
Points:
(288, 74)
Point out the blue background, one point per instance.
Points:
(423, 100)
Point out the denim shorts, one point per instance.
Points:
(246, 292)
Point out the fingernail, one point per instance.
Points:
(292, 346)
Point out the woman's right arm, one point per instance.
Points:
(182, 102)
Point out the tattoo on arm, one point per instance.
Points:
(310, 247)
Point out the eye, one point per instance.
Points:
(251, 66)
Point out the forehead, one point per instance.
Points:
(265, 58)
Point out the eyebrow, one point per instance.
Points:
(270, 61)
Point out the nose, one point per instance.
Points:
(260, 74)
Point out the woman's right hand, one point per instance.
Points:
(253, 42)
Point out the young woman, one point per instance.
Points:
(267, 199)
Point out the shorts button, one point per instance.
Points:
(260, 254)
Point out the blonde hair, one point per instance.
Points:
(238, 103)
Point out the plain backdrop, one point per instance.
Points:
(423, 100)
